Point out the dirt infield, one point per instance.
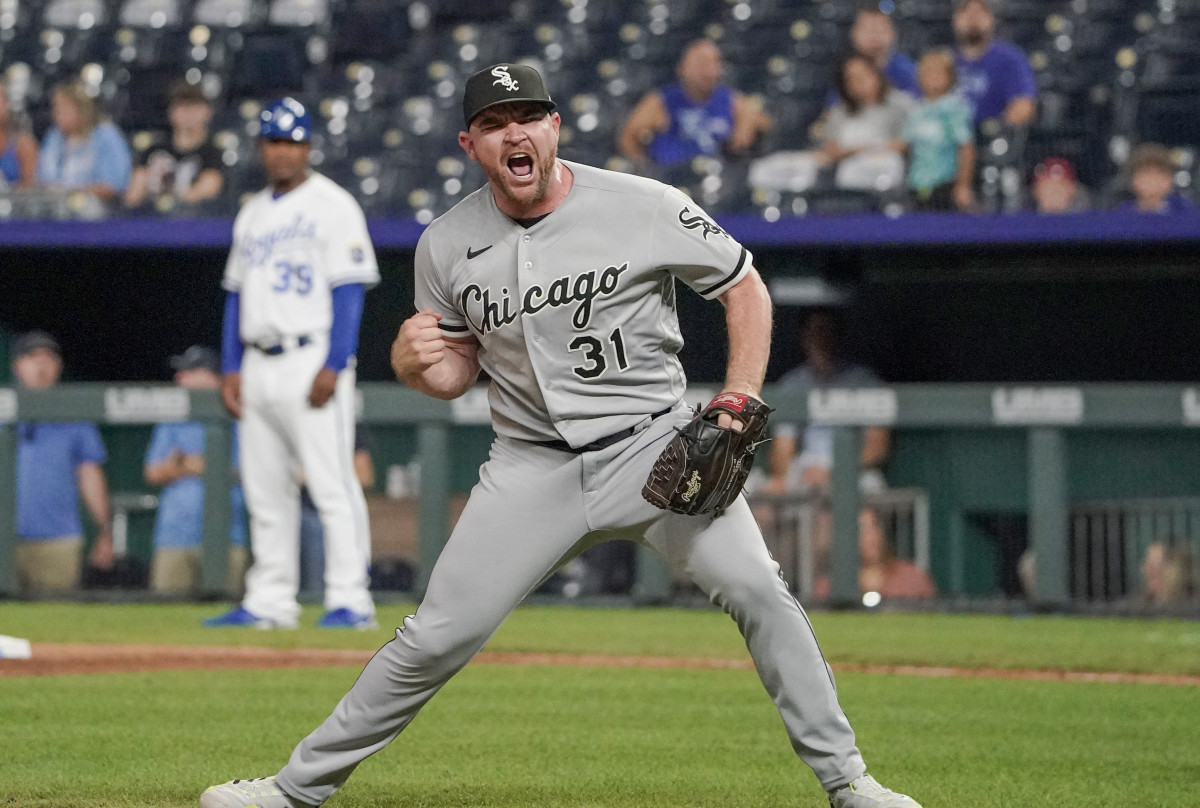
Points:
(53, 659)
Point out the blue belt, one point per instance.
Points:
(599, 443)
(279, 347)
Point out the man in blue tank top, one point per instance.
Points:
(696, 116)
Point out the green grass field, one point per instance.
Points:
(508, 736)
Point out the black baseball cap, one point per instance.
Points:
(502, 84)
(32, 341)
(197, 356)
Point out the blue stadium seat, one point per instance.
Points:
(369, 29)
(142, 96)
(269, 63)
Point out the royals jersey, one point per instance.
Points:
(575, 315)
(289, 252)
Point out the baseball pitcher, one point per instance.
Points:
(558, 280)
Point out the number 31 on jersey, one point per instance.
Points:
(594, 354)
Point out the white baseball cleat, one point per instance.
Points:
(261, 792)
(865, 792)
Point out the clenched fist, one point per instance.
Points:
(419, 345)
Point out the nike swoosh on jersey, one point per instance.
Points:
(476, 253)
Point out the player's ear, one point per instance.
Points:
(468, 145)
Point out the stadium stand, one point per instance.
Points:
(385, 78)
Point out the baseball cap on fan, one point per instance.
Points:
(32, 341)
(503, 84)
(197, 356)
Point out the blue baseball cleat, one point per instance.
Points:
(347, 618)
(241, 618)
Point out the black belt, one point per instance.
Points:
(599, 443)
(279, 347)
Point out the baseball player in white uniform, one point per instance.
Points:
(299, 267)
(558, 280)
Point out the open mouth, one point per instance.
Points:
(520, 164)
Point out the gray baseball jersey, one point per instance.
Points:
(575, 315)
(576, 321)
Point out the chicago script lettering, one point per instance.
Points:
(486, 311)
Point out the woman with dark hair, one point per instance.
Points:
(82, 151)
(863, 130)
(18, 149)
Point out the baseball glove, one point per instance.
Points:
(704, 466)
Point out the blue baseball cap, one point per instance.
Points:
(285, 119)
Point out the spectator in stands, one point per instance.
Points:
(57, 463)
(809, 468)
(698, 115)
(18, 149)
(175, 461)
(82, 151)
(1056, 189)
(873, 35)
(879, 570)
(187, 168)
(993, 76)
(863, 131)
(312, 532)
(1152, 181)
(940, 139)
(1168, 573)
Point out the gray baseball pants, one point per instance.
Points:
(533, 509)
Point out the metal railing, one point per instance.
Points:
(1044, 414)
(1111, 543)
(796, 528)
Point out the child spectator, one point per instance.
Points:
(18, 149)
(941, 143)
(1056, 189)
(863, 131)
(187, 168)
(1152, 182)
(82, 152)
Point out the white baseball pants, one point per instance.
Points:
(280, 433)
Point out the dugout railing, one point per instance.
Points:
(796, 529)
(1042, 417)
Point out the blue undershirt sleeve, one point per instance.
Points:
(343, 334)
(231, 341)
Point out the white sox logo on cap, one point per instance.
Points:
(503, 79)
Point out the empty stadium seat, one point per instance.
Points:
(151, 13)
(300, 13)
(269, 63)
(228, 13)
